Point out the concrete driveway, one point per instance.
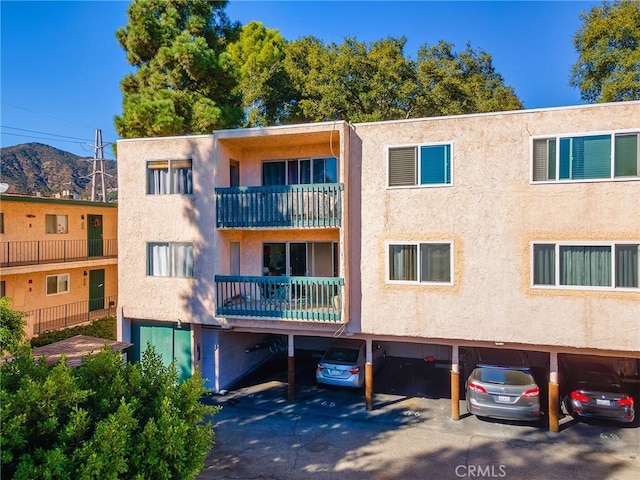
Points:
(328, 434)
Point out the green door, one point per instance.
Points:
(168, 341)
(96, 289)
(94, 235)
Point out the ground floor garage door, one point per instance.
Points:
(170, 342)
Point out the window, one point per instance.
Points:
(1, 222)
(598, 265)
(587, 157)
(420, 262)
(420, 165)
(57, 284)
(170, 259)
(301, 171)
(3, 289)
(56, 223)
(169, 176)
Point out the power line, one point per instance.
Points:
(44, 133)
(45, 114)
(43, 138)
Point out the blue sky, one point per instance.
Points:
(61, 65)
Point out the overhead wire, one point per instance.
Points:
(42, 133)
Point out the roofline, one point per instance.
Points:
(59, 201)
(239, 132)
(504, 112)
(250, 131)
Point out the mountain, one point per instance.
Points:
(30, 168)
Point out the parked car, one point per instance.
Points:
(590, 387)
(343, 363)
(501, 386)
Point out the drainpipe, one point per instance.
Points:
(291, 368)
(455, 383)
(368, 376)
(554, 403)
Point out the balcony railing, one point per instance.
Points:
(293, 206)
(71, 314)
(36, 252)
(307, 299)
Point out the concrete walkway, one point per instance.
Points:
(328, 434)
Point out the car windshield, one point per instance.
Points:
(342, 354)
(504, 376)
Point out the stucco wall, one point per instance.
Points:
(24, 222)
(191, 218)
(492, 213)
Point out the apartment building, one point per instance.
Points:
(59, 260)
(515, 230)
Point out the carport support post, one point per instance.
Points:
(554, 403)
(368, 375)
(291, 368)
(455, 383)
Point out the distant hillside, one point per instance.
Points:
(33, 167)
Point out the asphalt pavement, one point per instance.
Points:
(327, 433)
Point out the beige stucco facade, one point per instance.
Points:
(32, 253)
(491, 213)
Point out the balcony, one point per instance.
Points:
(38, 252)
(293, 206)
(306, 299)
(71, 314)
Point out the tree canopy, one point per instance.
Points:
(266, 90)
(608, 46)
(197, 72)
(184, 80)
(105, 419)
(12, 323)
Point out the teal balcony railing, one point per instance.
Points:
(313, 299)
(295, 206)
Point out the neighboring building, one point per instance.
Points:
(59, 260)
(512, 230)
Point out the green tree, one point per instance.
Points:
(608, 46)
(453, 83)
(184, 78)
(265, 86)
(12, 323)
(105, 419)
(352, 81)
(362, 83)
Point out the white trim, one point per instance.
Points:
(68, 275)
(557, 137)
(417, 243)
(578, 243)
(418, 165)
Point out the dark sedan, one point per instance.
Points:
(592, 388)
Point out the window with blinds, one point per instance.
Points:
(419, 165)
(577, 265)
(586, 157)
(420, 262)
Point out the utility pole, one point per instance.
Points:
(98, 156)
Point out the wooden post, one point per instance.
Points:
(554, 414)
(368, 375)
(455, 383)
(554, 402)
(368, 385)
